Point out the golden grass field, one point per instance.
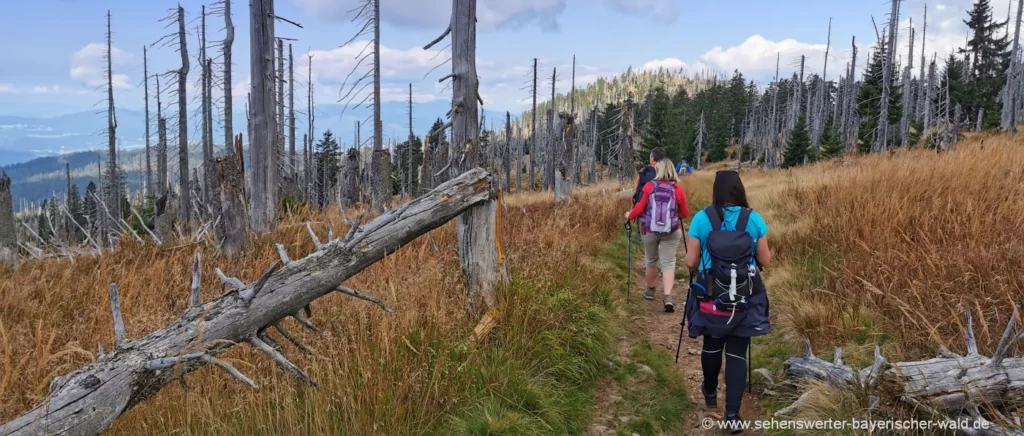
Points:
(877, 249)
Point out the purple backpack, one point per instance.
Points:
(662, 214)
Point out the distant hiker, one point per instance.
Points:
(683, 168)
(648, 172)
(661, 208)
(727, 304)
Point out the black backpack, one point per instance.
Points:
(733, 276)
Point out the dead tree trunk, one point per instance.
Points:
(919, 109)
(1010, 92)
(145, 92)
(350, 184)
(292, 168)
(380, 179)
(564, 153)
(409, 170)
(161, 145)
(882, 135)
(8, 233)
(88, 400)
(232, 237)
(263, 169)
(949, 385)
(550, 144)
(477, 227)
(310, 118)
(113, 197)
(534, 155)
(506, 156)
(229, 41)
(184, 196)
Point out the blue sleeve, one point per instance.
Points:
(757, 227)
(700, 226)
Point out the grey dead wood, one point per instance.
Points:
(88, 400)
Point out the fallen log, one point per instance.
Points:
(972, 387)
(88, 400)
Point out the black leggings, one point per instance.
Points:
(735, 348)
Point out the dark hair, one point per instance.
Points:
(728, 190)
(658, 154)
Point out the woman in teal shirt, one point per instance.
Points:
(730, 198)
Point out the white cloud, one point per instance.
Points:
(757, 57)
(941, 7)
(6, 87)
(46, 89)
(333, 66)
(674, 65)
(436, 13)
(88, 65)
(661, 11)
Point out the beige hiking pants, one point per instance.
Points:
(660, 250)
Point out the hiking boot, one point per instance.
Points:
(710, 400)
(649, 294)
(669, 307)
(733, 424)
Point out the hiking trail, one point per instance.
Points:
(648, 323)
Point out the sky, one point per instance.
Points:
(52, 50)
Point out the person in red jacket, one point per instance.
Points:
(660, 247)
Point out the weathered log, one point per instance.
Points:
(89, 399)
(944, 386)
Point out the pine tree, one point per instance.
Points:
(401, 157)
(75, 208)
(658, 131)
(987, 60)
(868, 99)
(90, 208)
(915, 134)
(799, 141)
(606, 132)
(42, 224)
(831, 146)
(328, 163)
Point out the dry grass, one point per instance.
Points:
(887, 249)
(414, 372)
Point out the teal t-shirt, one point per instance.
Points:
(700, 227)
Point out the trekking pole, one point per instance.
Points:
(629, 256)
(682, 323)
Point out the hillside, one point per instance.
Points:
(36, 149)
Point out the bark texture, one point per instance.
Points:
(88, 400)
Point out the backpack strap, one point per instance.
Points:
(715, 217)
(744, 218)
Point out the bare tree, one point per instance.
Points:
(922, 79)
(229, 41)
(534, 155)
(113, 191)
(161, 145)
(477, 227)
(145, 92)
(310, 119)
(1012, 88)
(882, 135)
(291, 118)
(263, 170)
(184, 194)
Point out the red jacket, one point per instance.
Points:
(641, 206)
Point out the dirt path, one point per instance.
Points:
(662, 330)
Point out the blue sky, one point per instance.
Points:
(50, 68)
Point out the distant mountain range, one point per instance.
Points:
(34, 151)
